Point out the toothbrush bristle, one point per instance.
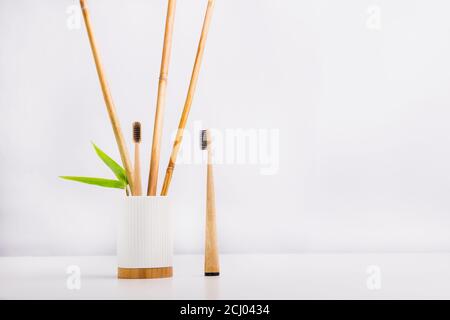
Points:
(137, 132)
(203, 140)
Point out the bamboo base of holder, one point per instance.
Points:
(147, 273)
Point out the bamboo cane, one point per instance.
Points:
(189, 98)
(108, 99)
(160, 104)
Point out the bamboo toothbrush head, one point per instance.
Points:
(137, 132)
(204, 139)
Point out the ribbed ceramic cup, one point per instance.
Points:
(145, 238)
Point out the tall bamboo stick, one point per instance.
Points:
(108, 99)
(161, 100)
(189, 98)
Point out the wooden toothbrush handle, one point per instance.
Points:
(211, 248)
(137, 170)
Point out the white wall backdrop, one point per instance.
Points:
(358, 89)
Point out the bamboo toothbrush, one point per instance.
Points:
(211, 248)
(161, 100)
(189, 98)
(108, 99)
(137, 158)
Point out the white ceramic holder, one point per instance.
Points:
(145, 238)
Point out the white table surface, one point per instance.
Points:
(302, 276)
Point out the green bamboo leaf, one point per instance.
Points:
(107, 183)
(118, 171)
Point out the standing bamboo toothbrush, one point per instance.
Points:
(108, 99)
(211, 248)
(189, 98)
(161, 100)
(137, 158)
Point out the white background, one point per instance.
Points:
(362, 113)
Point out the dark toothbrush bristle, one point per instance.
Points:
(137, 132)
(203, 140)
